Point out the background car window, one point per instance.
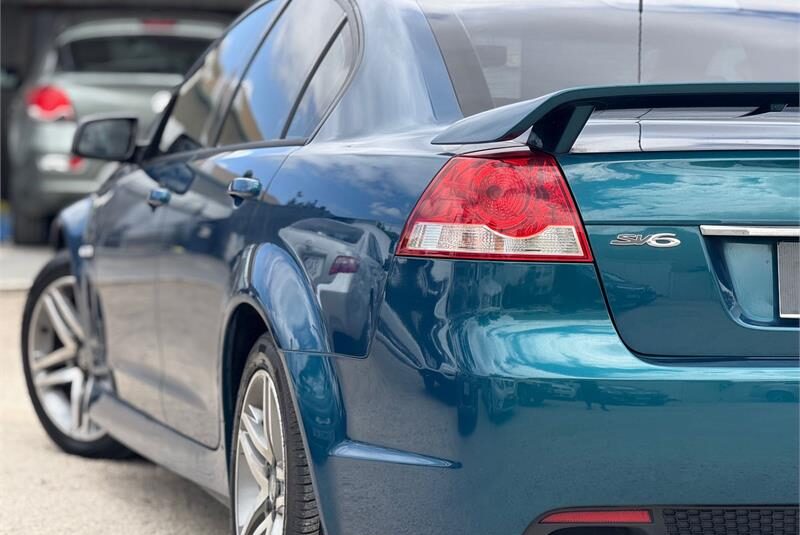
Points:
(279, 70)
(131, 53)
(192, 114)
(324, 85)
(374, 250)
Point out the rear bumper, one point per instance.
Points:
(41, 181)
(414, 438)
(44, 194)
(680, 520)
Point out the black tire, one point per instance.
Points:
(302, 515)
(105, 446)
(29, 230)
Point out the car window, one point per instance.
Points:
(324, 85)
(374, 250)
(164, 54)
(192, 114)
(279, 71)
(747, 40)
(331, 228)
(505, 51)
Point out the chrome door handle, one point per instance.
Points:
(158, 197)
(244, 187)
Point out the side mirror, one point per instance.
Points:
(106, 138)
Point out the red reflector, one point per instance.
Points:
(344, 264)
(599, 517)
(500, 206)
(49, 103)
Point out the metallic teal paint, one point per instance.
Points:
(495, 366)
(690, 188)
(709, 296)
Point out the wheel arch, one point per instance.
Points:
(270, 295)
(244, 325)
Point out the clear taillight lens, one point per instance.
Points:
(501, 206)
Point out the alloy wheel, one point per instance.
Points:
(60, 363)
(259, 463)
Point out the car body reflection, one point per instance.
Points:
(345, 264)
(777, 392)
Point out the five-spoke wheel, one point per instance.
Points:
(59, 363)
(271, 488)
(259, 466)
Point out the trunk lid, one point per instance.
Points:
(708, 286)
(690, 194)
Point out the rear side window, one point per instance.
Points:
(275, 80)
(161, 54)
(505, 51)
(200, 95)
(323, 87)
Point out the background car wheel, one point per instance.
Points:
(271, 486)
(28, 230)
(58, 374)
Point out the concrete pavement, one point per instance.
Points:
(45, 491)
(19, 265)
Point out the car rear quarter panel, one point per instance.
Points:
(464, 404)
(368, 191)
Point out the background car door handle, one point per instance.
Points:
(244, 187)
(158, 197)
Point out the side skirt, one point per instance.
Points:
(162, 445)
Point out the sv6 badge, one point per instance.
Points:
(664, 239)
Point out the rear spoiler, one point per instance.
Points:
(556, 120)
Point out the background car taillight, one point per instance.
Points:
(344, 264)
(498, 206)
(49, 103)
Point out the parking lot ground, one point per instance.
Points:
(19, 265)
(45, 491)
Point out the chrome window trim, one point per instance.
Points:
(752, 232)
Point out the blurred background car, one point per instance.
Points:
(94, 67)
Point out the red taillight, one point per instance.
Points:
(49, 103)
(76, 164)
(501, 206)
(599, 517)
(344, 264)
(159, 23)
